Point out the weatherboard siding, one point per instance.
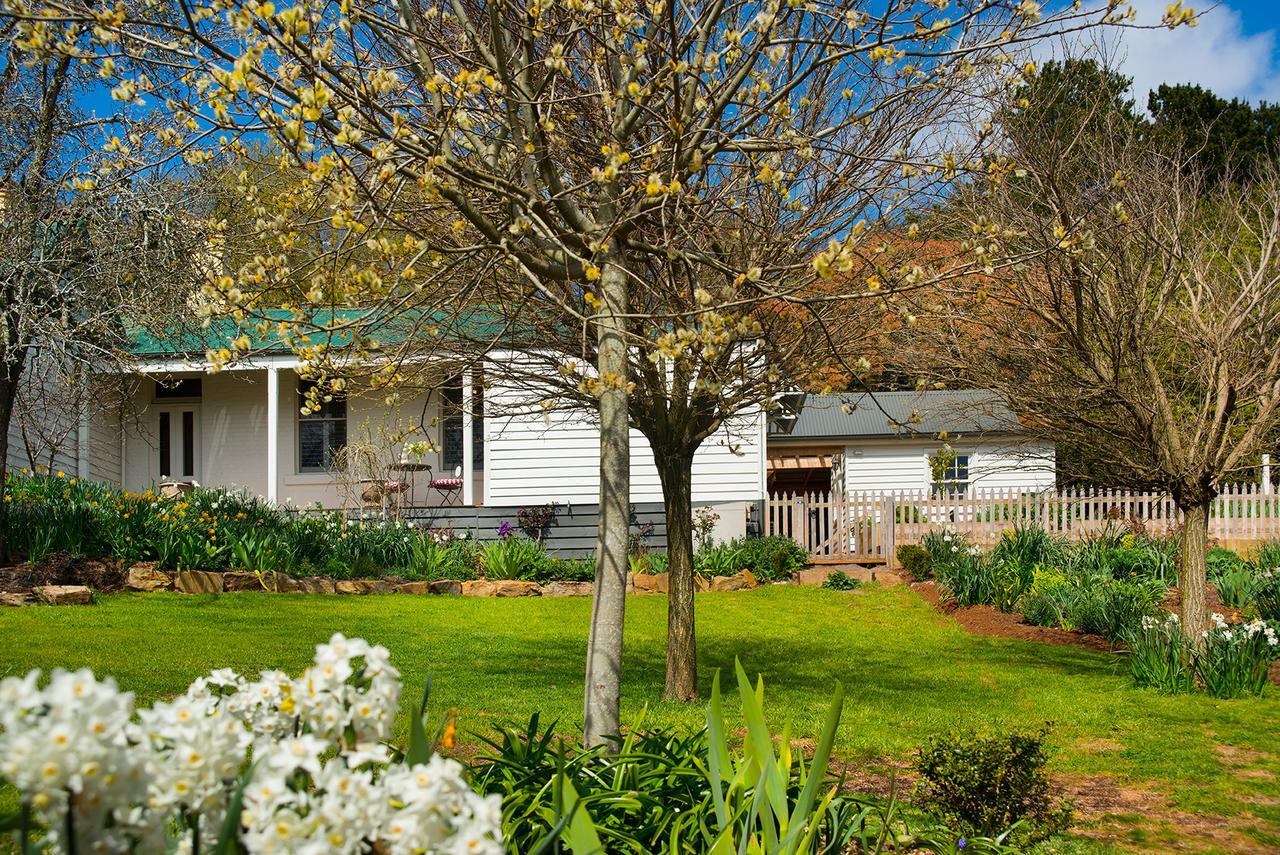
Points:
(104, 459)
(534, 457)
(888, 466)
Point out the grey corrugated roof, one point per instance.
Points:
(885, 413)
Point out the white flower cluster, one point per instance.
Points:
(1246, 632)
(1169, 623)
(101, 779)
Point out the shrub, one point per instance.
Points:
(555, 569)
(1267, 595)
(1093, 603)
(1220, 560)
(1233, 660)
(536, 520)
(1108, 607)
(1050, 600)
(944, 547)
(719, 560)
(512, 558)
(1120, 555)
(770, 559)
(914, 558)
(451, 559)
(1029, 545)
(214, 530)
(1266, 555)
(666, 791)
(967, 579)
(1158, 656)
(980, 784)
(1237, 584)
(840, 581)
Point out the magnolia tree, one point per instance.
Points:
(1138, 319)
(646, 181)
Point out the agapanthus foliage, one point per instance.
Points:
(305, 761)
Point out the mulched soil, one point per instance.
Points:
(990, 621)
(62, 569)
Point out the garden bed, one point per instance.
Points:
(20, 584)
(990, 621)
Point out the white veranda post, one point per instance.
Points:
(468, 441)
(273, 434)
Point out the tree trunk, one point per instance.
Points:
(608, 605)
(675, 469)
(9, 380)
(1193, 569)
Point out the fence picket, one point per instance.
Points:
(861, 525)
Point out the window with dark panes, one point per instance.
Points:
(451, 425)
(320, 432)
(955, 481)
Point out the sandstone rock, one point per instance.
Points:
(14, 598)
(740, 582)
(315, 585)
(147, 576)
(362, 586)
(284, 583)
(238, 580)
(64, 595)
(267, 581)
(501, 588)
(814, 576)
(447, 586)
(567, 589)
(864, 574)
(887, 578)
(413, 588)
(650, 583)
(199, 582)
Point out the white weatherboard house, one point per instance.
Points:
(882, 443)
(474, 467)
(471, 467)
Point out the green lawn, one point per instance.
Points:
(909, 673)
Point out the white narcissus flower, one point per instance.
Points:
(322, 779)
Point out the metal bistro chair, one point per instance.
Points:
(450, 489)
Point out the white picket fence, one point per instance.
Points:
(869, 526)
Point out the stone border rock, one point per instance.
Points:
(147, 577)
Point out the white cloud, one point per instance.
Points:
(1217, 54)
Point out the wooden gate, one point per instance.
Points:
(834, 527)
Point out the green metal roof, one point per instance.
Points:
(191, 339)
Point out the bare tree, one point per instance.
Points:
(641, 177)
(1146, 331)
(75, 264)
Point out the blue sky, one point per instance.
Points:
(1235, 49)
